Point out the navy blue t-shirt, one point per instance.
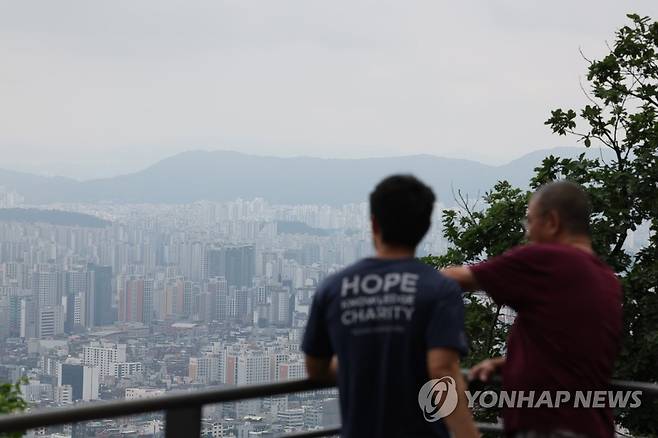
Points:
(380, 317)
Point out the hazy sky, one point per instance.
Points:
(94, 88)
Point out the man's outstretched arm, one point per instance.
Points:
(463, 276)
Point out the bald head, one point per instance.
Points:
(571, 203)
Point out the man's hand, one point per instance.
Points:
(485, 369)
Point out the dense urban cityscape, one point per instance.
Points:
(172, 298)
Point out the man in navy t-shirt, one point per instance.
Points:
(393, 324)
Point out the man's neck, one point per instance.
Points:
(583, 243)
(394, 252)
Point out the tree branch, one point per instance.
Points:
(492, 328)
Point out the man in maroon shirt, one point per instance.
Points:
(567, 331)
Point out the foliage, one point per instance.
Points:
(11, 401)
(620, 117)
(476, 234)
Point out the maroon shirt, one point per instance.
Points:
(566, 335)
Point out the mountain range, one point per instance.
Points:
(224, 175)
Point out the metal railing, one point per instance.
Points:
(183, 409)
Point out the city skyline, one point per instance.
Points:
(163, 298)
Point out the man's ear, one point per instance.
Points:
(553, 223)
(375, 225)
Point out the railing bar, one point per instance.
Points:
(482, 427)
(645, 387)
(489, 427)
(123, 408)
(313, 433)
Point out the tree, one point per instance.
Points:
(476, 234)
(621, 117)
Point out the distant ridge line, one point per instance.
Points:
(223, 176)
(54, 217)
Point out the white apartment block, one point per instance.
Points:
(50, 321)
(103, 355)
(122, 370)
(63, 395)
(291, 418)
(252, 367)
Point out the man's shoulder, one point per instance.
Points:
(540, 252)
(531, 258)
(559, 249)
(560, 256)
(333, 281)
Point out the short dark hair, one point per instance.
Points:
(402, 207)
(571, 203)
